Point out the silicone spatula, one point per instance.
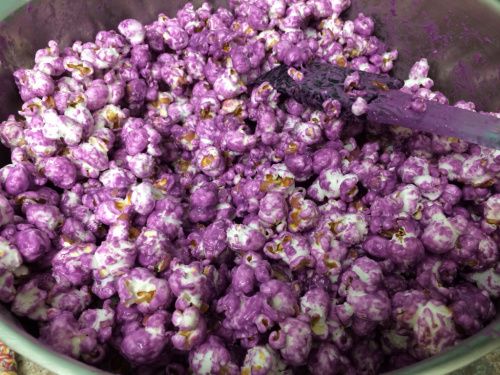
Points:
(319, 81)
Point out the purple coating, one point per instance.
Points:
(159, 205)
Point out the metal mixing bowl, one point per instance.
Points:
(460, 39)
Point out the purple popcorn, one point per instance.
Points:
(32, 243)
(71, 199)
(116, 178)
(260, 266)
(188, 19)
(136, 90)
(39, 145)
(211, 358)
(363, 25)
(436, 275)
(350, 228)
(30, 301)
(134, 136)
(140, 56)
(132, 30)
(16, 179)
(243, 238)
(290, 238)
(280, 300)
(218, 278)
(316, 304)
(304, 213)
(431, 338)
(6, 211)
(204, 198)
(291, 248)
(429, 321)
(405, 247)
(97, 95)
(69, 299)
(11, 132)
(328, 253)
(359, 107)
(79, 68)
(301, 164)
(262, 360)
(277, 178)
(332, 183)
(33, 83)
(441, 233)
(41, 196)
(173, 73)
(154, 250)
(367, 357)
(45, 217)
(488, 280)
(293, 340)
(371, 306)
(143, 196)
(116, 90)
(189, 284)
(242, 317)
(192, 328)
(111, 260)
(141, 165)
(246, 196)
(7, 287)
(213, 240)
(49, 60)
(81, 115)
(243, 279)
(471, 307)
(175, 36)
(363, 290)
(492, 210)
(368, 272)
(475, 249)
(210, 161)
(100, 320)
(63, 334)
(228, 85)
(10, 257)
(238, 141)
(327, 359)
(140, 287)
(90, 157)
(61, 171)
(73, 263)
(418, 76)
(394, 342)
(273, 209)
(167, 217)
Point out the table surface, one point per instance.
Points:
(488, 365)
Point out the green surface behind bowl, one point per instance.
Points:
(8, 6)
(452, 34)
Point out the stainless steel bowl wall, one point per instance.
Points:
(460, 38)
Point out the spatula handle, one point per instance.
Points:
(394, 107)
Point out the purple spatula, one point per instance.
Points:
(318, 81)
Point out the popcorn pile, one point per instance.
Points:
(159, 205)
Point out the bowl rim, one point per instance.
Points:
(462, 354)
(21, 342)
(14, 336)
(454, 358)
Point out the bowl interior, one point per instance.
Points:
(460, 39)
